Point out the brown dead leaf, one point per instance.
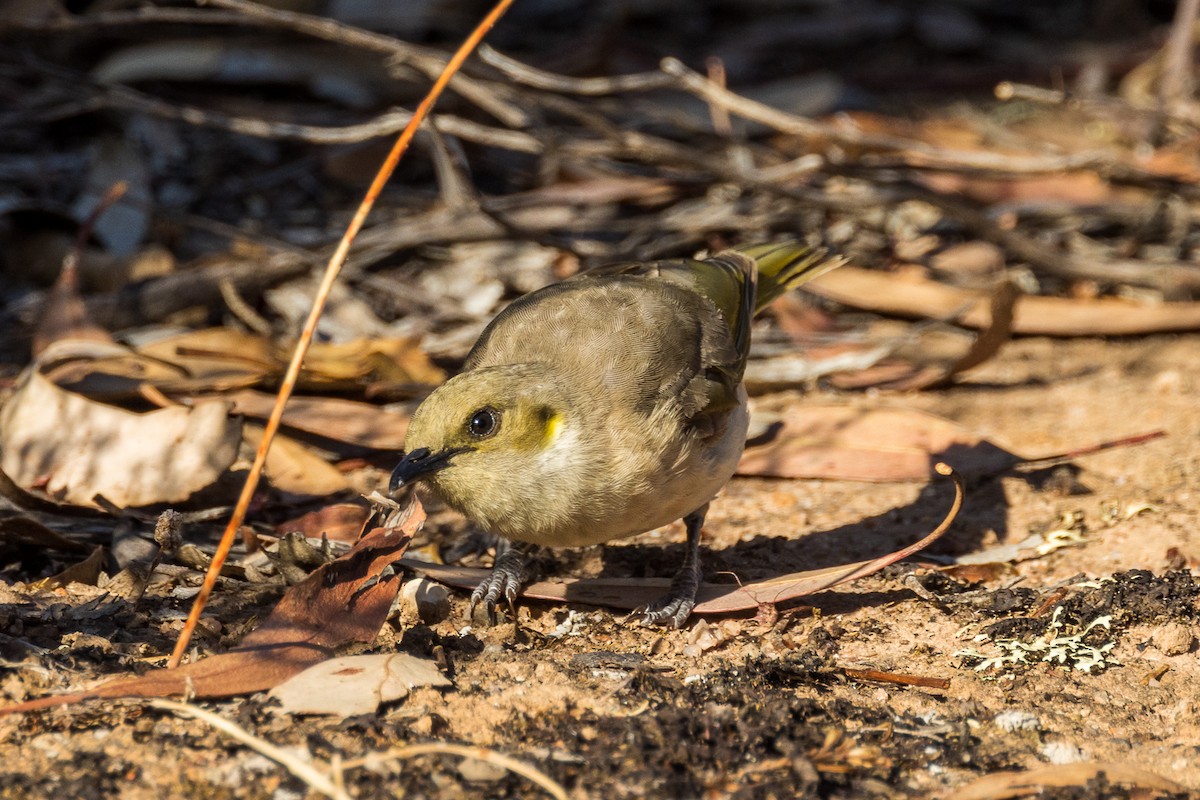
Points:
(1081, 188)
(1006, 785)
(293, 467)
(214, 359)
(344, 601)
(370, 361)
(79, 448)
(998, 331)
(986, 345)
(633, 593)
(884, 444)
(340, 522)
(353, 685)
(26, 532)
(349, 421)
(65, 316)
(102, 370)
(220, 359)
(908, 296)
(977, 573)
(86, 571)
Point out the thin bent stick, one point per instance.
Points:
(527, 771)
(310, 325)
(315, 778)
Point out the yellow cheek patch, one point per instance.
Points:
(553, 426)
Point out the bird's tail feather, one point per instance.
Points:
(785, 265)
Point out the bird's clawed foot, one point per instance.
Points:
(511, 572)
(673, 608)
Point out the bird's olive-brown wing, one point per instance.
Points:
(624, 338)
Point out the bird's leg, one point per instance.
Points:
(512, 570)
(676, 605)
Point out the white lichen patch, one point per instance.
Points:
(1053, 646)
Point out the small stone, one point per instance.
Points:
(1061, 753)
(476, 771)
(425, 599)
(1173, 639)
(1169, 382)
(703, 637)
(1016, 721)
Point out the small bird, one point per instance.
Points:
(601, 407)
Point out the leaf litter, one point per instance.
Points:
(1076, 220)
(345, 601)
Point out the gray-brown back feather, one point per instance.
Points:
(622, 339)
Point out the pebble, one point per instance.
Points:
(430, 601)
(1061, 753)
(476, 771)
(1017, 721)
(1173, 639)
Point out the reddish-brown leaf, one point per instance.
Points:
(340, 522)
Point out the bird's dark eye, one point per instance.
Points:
(483, 423)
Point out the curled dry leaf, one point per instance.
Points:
(395, 362)
(349, 421)
(220, 359)
(911, 376)
(352, 685)
(213, 359)
(86, 571)
(292, 467)
(65, 316)
(340, 522)
(78, 448)
(102, 370)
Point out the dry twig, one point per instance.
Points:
(316, 779)
(532, 774)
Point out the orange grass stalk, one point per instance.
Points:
(310, 325)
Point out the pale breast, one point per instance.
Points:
(674, 476)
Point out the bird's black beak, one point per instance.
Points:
(417, 463)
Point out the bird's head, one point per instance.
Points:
(484, 434)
